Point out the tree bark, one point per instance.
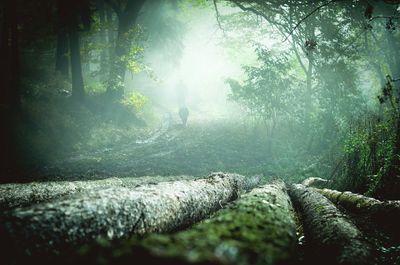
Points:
(328, 231)
(62, 64)
(110, 32)
(10, 66)
(377, 210)
(14, 195)
(126, 20)
(76, 66)
(259, 228)
(102, 35)
(394, 62)
(119, 212)
(71, 14)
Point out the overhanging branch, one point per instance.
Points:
(307, 16)
(217, 16)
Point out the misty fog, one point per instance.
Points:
(147, 116)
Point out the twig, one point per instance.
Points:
(217, 16)
(307, 16)
(251, 9)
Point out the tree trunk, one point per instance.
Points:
(126, 20)
(110, 32)
(102, 35)
(394, 56)
(14, 195)
(375, 209)
(118, 66)
(10, 67)
(358, 202)
(119, 212)
(328, 231)
(259, 228)
(76, 66)
(62, 64)
(310, 28)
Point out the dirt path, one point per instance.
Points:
(199, 148)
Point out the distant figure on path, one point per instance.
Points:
(181, 93)
(184, 114)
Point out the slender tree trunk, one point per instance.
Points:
(76, 66)
(309, 77)
(10, 67)
(62, 64)
(15, 64)
(375, 64)
(309, 87)
(394, 52)
(102, 35)
(5, 36)
(126, 20)
(110, 33)
(118, 64)
(9, 86)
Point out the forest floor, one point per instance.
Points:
(169, 149)
(170, 152)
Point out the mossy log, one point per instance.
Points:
(13, 195)
(259, 228)
(119, 212)
(330, 234)
(384, 213)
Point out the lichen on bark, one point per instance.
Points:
(117, 212)
(330, 234)
(259, 228)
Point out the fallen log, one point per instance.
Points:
(13, 195)
(120, 212)
(315, 182)
(259, 228)
(384, 213)
(330, 235)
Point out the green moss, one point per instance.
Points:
(254, 230)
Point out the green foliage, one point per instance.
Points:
(368, 152)
(268, 92)
(134, 45)
(93, 88)
(132, 63)
(136, 101)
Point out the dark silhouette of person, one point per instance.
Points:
(181, 92)
(184, 114)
